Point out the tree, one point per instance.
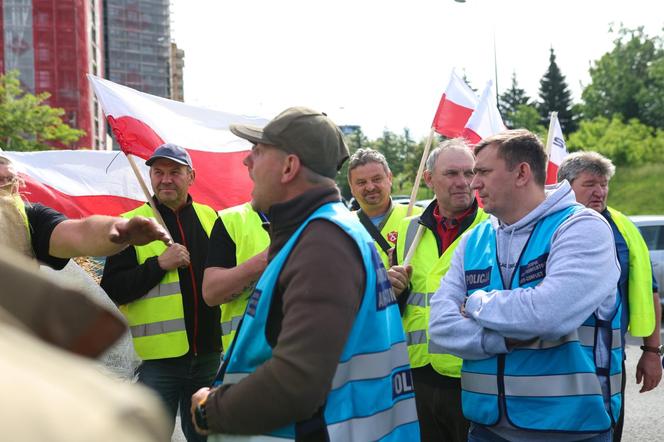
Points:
(555, 96)
(628, 143)
(526, 116)
(355, 140)
(510, 100)
(628, 80)
(26, 123)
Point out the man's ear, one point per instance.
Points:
(427, 179)
(193, 175)
(291, 168)
(524, 174)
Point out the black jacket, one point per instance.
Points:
(125, 280)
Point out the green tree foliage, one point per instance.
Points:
(628, 80)
(526, 116)
(555, 96)
(26, 123)
(630, 143)
(510, 100)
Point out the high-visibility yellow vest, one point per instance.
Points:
(16, 228)
(390, 229)
(640, 296)
(156, 320)
(245, 228)
(428, 269)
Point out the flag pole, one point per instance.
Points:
(413, 196)
(146, 192)
(549, 137)
(420, 170)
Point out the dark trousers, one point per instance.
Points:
(618, 429)
(175, 380)
(438, 401)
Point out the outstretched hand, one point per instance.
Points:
(138, 231)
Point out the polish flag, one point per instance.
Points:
(485, 120)
(556, 148)
(455, 107)
(141, 122)
(79, 183)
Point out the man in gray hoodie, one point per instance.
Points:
(527, 293)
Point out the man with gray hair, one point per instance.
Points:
(589, 174)
(370, 180)
(449, 171)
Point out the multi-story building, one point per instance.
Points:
(177, 73)
(54, 44)
(138, 44)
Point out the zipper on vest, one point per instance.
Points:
(194, 339)
(501, 382)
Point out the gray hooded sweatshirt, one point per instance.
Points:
(582, 271)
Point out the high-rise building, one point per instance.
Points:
(54, 44)
(138, 44)
(177, 72)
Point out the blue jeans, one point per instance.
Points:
(175, 380)
(479, 433)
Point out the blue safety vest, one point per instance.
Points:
(372, 395)
(545, 385)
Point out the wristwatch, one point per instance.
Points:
(200, 415)
(658, 350)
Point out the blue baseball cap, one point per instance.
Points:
(171, 152)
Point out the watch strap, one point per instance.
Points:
(657, 350)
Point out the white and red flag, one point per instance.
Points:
(485, 120)
(79, 183)
(141, 122)
(455, 108)
(556, 148)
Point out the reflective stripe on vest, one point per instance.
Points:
(428, 269)
(640, 296)
(245, 228)
(559, 376)
(372, 395)
(156, 320)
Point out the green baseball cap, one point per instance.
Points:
(304, 132)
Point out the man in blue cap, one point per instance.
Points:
(159, 289)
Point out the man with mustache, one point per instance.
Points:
(589, 174)
(449, 171)
(370, 180)
(159, 290)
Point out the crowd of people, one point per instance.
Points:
(497, 313)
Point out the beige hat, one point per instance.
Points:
(304, 132)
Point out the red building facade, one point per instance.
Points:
(54, 44)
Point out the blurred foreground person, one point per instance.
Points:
(50, 391)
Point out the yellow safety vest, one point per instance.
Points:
(640, 296)
(245, 228)
(428, 269)
(156, 320)
(390, 229)
(16, 228)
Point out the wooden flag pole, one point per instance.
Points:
(146, 192)
(549, 137)
(413, 196)
(420, 170)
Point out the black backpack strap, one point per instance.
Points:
(373, 231)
